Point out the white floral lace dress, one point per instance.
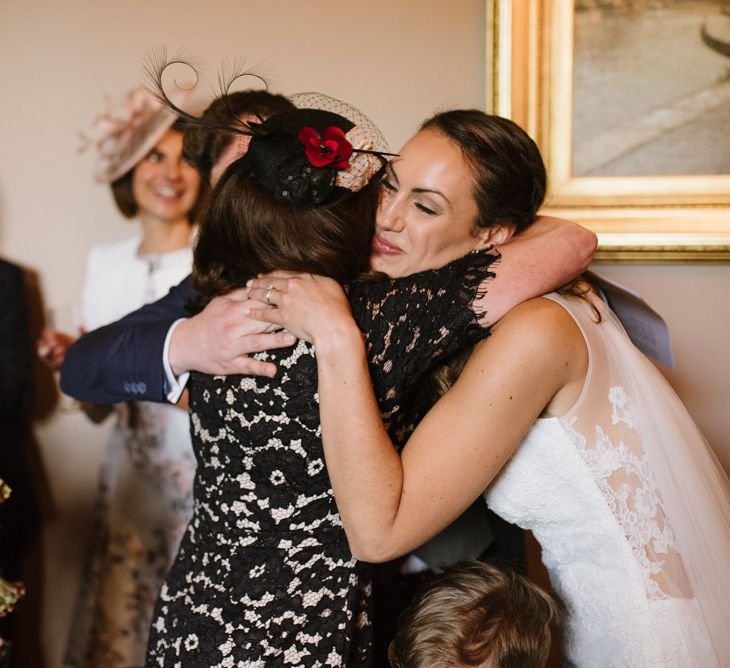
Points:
(587, 486)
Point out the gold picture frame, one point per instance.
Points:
(529, 70)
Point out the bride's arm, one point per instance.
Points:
(391, 504)
(548, 254)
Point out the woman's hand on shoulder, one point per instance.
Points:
(312, 307)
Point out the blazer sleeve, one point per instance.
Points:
(122, 361)
(15, 341)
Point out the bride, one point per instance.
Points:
(571, 431)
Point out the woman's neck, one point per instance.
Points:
(164, 236)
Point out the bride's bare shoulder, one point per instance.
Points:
(541, 324)
(542, 310)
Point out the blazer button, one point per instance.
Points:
(128, 388)
(142, 387)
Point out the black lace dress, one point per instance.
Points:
(264, 575)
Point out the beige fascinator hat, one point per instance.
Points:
(126, 132)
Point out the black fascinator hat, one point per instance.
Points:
(312, 156)
(316, 154)
(297, 155)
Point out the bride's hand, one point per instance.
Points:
(311, 307)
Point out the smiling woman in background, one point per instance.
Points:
(145, 494)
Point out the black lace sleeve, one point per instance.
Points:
(413, 324)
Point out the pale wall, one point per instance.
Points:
(398, 61)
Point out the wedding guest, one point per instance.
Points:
(264, 573)
(149, 459)
(547, 223)
(144, 499)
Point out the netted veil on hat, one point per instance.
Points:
(364, 136)
(316, 154)
(126, 132)
(313, 155)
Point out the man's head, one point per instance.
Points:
(474, 615)
(211, 152)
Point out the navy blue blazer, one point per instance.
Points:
(122, 361)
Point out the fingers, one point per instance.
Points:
(45, 355)
(270, 293)
(279, 273)
(52, 346)
(51, 357)
(265, 283)
(253, 306)
(253, 303)
(280, 283)
(248, 366)
(255, 343)
(271, 315)
(237, 295)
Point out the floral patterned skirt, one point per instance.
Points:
(143, 506)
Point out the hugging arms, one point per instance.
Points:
(435, 197)
(556, 418)
(124, 360)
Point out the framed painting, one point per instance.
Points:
(629, 101)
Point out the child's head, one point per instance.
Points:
(473, 614)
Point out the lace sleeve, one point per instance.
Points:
(414, 323)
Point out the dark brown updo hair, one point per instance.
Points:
(509, 175)
(247, 231)
(510, 182)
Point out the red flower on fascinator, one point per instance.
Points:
(330, 149)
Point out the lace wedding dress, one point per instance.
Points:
(631, 511)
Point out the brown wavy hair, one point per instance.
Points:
(247, 232)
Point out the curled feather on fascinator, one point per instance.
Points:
(315, 155)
